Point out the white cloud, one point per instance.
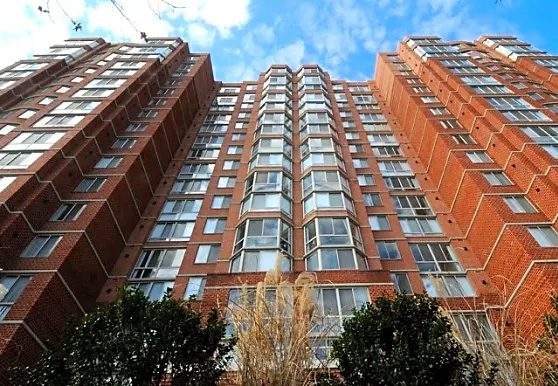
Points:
(25, 31)
(248, 63)
(223, 15)
(452, 20)
(339, 29)
(200, 35)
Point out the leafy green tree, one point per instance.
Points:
(549, 340)
(135, 342)
(404, 340)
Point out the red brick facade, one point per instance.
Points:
(409, 152)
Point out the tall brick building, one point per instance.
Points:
(128, 164)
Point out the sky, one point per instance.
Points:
(245, 36)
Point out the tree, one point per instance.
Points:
(404, 340)
(135, 342)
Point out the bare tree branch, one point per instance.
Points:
(143, 35)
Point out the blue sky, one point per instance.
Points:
(245, 36)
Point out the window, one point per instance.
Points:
(158, 264)
(197, 170)
(394, 167)
(319, 180)
(11, 288)
(61, 120)
(123, 143)
(435, 257)
(327, 201)
(190, 185)
(542, 134)
(366, 179)
(68, 212)
(90, 184)
(322, 159)
(214, 225)
(450, 123)
(5, 181)
(447, 286)
(17, 160)
(509, 103)
(108, 162)
(266, 202)
(226, 182)
(179, 210)
(172, 230)
(62, 89)
(545, 235)
(356, 148)
(497, 179)
(421, 90)
(386, 151)
(231, 165)
(214, 140)
(474, 326)
(478, 157)
(233, 149)
(82, 107)
(154, 290)
(372, 199)
(360, 162)
(479, 80)
(439, 111)
(259, 261)
(333, 259)
(429, 99)
(34, 141)
(105, 83)
(411, 206)
(6, 129)
(401, 283)
(263, 233)
(388, 250)
(519, 204)
(316, 145)
(207, 253)
(552, 150)
(463, 139)
(148, 113)
(382, 139)
(337, 304)
(493, 89)
(195, 287)
(221, 202)
(6, 83)
(331, 231)
(379, 223)
(370, 118)
(47, 100)
(401, 183)
(93, 92)
(525, 115)
(417, 226)
(41, 246)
